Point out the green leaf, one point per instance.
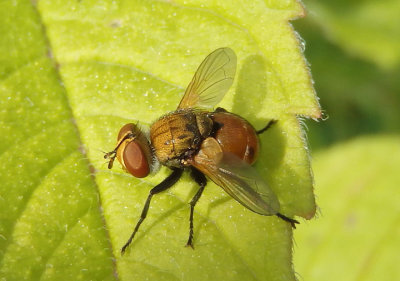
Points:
(368, 29)
(356, 236)
(73, 72)
(50, 224)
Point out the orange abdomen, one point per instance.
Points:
(236, 136)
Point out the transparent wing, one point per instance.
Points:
(237, 178)
(211, 81)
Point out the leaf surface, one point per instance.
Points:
(79, 70)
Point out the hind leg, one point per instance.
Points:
(270, 123)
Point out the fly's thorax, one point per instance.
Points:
(204, 124)
(178, 135)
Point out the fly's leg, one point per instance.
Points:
(220, 109)
(270, 123)
(289, 220)
(201, 180)
(292, 222)
(165, 184)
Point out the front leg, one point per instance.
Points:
(201, 180)
(165, 184)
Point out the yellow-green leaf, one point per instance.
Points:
(50, 222)
(75, 71)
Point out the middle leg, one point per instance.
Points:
(201, 180)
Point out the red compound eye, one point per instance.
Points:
(127, 128)
(135, 160)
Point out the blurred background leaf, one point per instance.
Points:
(353, 50)
(367, 29)
(358, 94)
(357, 233)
